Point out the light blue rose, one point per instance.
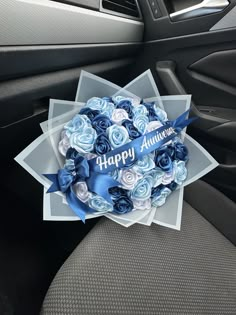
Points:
(143, 188)
(117, 135)
(77, 124)
(141, 122)
(144, 165)
(160, 113)
(108, 109)
(83, 142)
(69, 164)
(159, 200)
(180, 172)
(140, 110)
(157, 175)
(117, 99)
(99, 204)
(96, 103)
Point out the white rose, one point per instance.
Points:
(153, 125)
(128, 178)
(119, 115)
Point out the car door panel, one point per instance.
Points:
(197, 56)
(163, 27)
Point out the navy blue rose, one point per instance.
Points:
(102, 145)
(132, 130)
(72, 154)
(163, 160)
(170, 149)
(100, 123)
(181, 152)
(117, 192)
(151, 111)
(156, 191)
(123, 205)
(129, 165)
(155, 113)
(172, 186)
(90, 113)
(127, 106)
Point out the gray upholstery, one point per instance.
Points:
(148, 270)
(214, 206)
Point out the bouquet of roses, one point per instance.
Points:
(118, 153)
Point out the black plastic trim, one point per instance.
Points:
(18, 97)
(20, 61)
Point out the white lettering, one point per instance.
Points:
(101, 163)
(144, 144)
(117, 158)
(111, 160)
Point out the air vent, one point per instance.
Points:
(127, 7)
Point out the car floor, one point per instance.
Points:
(31, 251)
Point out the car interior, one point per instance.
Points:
(100, 267)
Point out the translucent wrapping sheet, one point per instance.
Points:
(42, 156)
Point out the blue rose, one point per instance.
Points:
(155, 113)
(129, 165)
(102, 145)
(83, 142)
(107, 98)
(172, 186)
(108, 109)
(141, 122)
(180, 172)
(117, 99)
(148, 105)
(100, 123)
(118, 192)
(163, 160)
(117, 135)
(90, 113)
(127, 106)
(77, 124)
(71, 154)
(151, 111)
(99, 204)
(161, 114)
(140, 110)
(160, 198)
(181, 152)
(157, 175)
(96, 103)
(144, 165)
(69, 165)
(170, 149)
(132, 131)
(143, 188)
(156, 191)
(123, 205)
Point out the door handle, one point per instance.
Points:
(204, 8)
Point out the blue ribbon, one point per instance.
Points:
(95, 171)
